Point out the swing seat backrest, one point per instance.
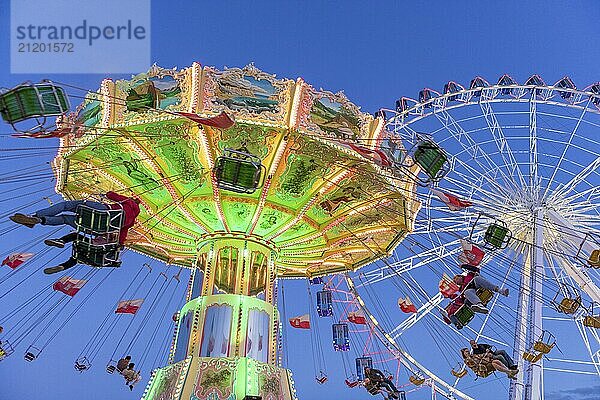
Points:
(497, 236)
(464, 314)
(238, 172)
(592, 321)
(32, 101)
(430, 158)
(99, 222)
(594, 259)
(569, 306)
(485, 295)
(542, 347)
(416, 380)
(459, 374)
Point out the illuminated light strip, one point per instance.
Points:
(105, 87)
(217, 199)
(299, 88)
(211, 164)
(267, 185)
(195, 95)
(336, 179)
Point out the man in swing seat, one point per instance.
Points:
(132, 377)
(380, 381)
(63, 213)
(484, 364)
(469, 283)
(500, 355)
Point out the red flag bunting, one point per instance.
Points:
(68, 285)
(453, 202)
(129, 306)
(375, 155)
(406, 305)
(16, 259)
(447, 287)
(471, 254)
(222, 120)
(301, 322)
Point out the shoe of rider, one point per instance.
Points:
(54, 270)
(480, 308)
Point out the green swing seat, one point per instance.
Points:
(431, 158)
(33, 100)
(238, 171)
(92, 224)
(464, 315)
(497, 236)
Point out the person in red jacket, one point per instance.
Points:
(63, 213)
(469, 284)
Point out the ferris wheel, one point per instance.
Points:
(512, 185)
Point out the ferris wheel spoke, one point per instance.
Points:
(410, 263)
(577, 179)
(409, 322)
(473, 149)
(510, 163)
(566, 147)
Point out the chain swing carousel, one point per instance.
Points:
(244, 179)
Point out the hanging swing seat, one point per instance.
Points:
(99, 222)
(111, 367)
(341, 339)
(545, 343)
(485, 372)
(361, 364)
(33, 100)
(569, 305)
(324, 303)
(417, 379)
(97, 242)
(532, 357)
(238, 171)
(82, 364)
(594, 259)
(432, 159)
(322, 378)
(463, 315)
(459, 373)
(351, 383)
(592, 321)
(98, 256)
(32, 353)
(485, 295)
(543, 347)
(497, 236)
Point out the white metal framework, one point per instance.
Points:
(528, 156)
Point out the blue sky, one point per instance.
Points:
(376, 52)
